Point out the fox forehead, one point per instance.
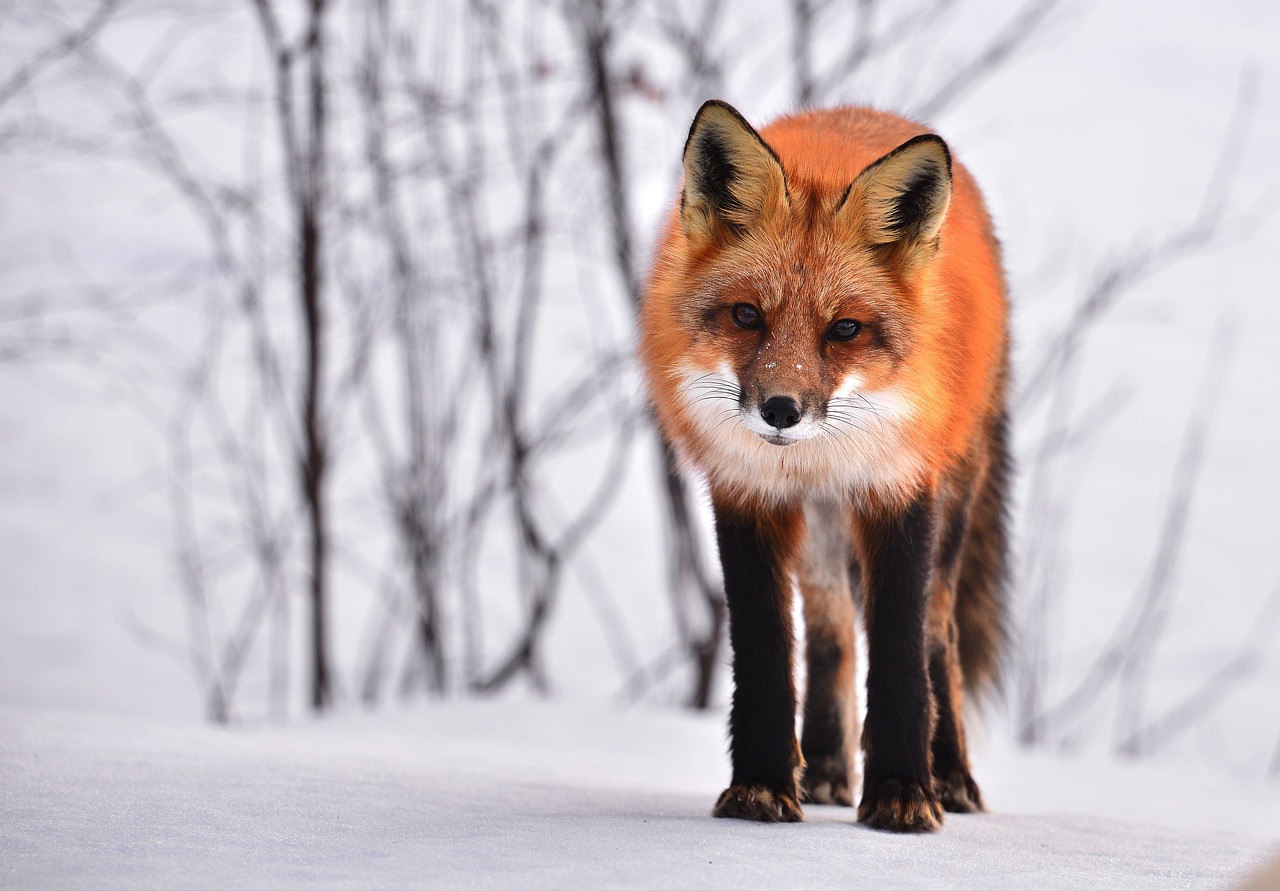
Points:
(814, 272)
(801, 287)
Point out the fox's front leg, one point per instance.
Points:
(897, 546)
(755, 550)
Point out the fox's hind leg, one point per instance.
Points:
(952, 780)
(832, 723)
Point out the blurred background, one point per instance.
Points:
(315, 327)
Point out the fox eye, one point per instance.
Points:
(845, 329)
(747, 316)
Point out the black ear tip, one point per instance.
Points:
(709, 106)
(717, 105)
(946, 150)
(714, 106)
(714, 103)
(933, 139)
(929, 139)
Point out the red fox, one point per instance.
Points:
(825, 338)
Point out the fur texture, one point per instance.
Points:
(825, 339)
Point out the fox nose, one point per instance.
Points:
(781, 412)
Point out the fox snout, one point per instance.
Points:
(780, 418)
(780, 412)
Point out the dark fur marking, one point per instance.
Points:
(712, 167)
(762, 717)
(952, 780)
(715, 173)
(710, 317)
(844, 196)
(946, 743)
(917, 202)
(982, 577)
(955, 524)
(923, 137)
(746, 125)
(897, 551)
(824, 718)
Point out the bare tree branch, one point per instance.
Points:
(1126, 656)
(1213, 693)
(991, 59)
(65, 45)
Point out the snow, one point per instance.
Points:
(503, 794)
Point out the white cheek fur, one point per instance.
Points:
(862, 445)
(848, 387)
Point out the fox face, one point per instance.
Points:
(801, 342)
(792, 384)
(799, 309)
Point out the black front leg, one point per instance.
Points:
(897, 556)
(755, 551)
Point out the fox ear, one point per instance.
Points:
(902, 199)
(731, 176)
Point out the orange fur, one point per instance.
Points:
(941, 319)
(824, 336)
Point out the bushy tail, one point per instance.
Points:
(981, 589)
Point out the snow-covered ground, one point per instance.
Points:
(1102, 135)
(505, 794)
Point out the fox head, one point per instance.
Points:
(794, 300)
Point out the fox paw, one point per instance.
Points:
(829, 781)
(760, 803)
(900, 806)
(958, 792)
